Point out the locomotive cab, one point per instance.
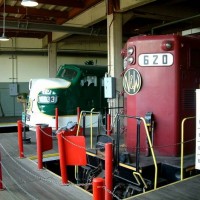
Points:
(85, 80)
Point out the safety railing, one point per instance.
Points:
(150, 145)
(139, 177)
(182, 143)
(91, 112)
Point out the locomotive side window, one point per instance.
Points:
(69, 74)
(89, 81)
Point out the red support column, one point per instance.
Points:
(20, 139)
(108, 127)
(78, 114)
(56, 111)
(98, 189)
(108, 171)
(39, 146)
(61, 151)
(1, 180)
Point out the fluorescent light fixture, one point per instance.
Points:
(4, 38)
(29, 3)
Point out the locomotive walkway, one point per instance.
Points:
(22, 180)
(187, 189)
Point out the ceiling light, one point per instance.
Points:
(3, 37)
(29, 3)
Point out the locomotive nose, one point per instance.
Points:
(48, 83)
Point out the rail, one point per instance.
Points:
(152, 153)
(91, 112)
(136, 175)
(150, 146)
(182, 143)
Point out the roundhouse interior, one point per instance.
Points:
(132, 64)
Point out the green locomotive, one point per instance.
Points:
(74, 86)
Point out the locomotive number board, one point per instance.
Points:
(156, 59)
(47, 99)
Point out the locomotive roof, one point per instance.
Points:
(88, 68)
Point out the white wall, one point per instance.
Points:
(5, 68)
(32, 67)
(24, 67)
(21, 68)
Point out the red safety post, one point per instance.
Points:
(39, 146)
(108, 127)
(1, 180)
(78, 113)
(98, 189)
(20, 139)
(108, 171)
(61, 150)
(56, 111)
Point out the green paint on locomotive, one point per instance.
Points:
(86, 91)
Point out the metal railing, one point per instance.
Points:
(182, 143)
(150, 145)
(91, 112)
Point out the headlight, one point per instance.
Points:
(167, 45)
(130, 60)
(130, 50)
(47, 99)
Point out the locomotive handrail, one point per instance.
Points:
(135, 174)
(91, 131)
(150, 145)
(152, 152)
(91, 113)
(182, 143)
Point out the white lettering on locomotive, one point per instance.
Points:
(156, 59)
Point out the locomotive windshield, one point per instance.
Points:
(68, 74)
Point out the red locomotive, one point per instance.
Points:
(161, 75)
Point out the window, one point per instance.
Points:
(89, 81)
(69, 74)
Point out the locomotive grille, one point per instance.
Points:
(188, 99)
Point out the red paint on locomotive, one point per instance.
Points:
(170, 73)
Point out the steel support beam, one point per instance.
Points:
(29, 26)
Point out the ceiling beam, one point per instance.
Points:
(67, 3)
(35, 12)
(76, 11)
(174, 22)
(130, 4)
(167, 11)
(112, 6)
(51, 28)
(147, 15)
(26, 34)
